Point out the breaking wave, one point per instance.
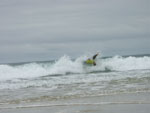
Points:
(65, 65)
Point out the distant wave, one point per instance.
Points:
(65, 65)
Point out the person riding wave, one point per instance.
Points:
(92, 61)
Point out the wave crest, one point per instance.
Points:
(65, 65)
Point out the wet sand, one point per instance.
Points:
(122, 103)
(119, 108)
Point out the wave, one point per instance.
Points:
(65, 65)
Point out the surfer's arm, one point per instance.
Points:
(95, 56)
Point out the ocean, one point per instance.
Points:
(68, 82)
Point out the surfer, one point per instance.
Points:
(92, 61)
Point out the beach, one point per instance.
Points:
(74, 56)
(123, 103)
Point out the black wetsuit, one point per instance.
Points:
(94, 56)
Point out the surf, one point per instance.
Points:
(65, 66)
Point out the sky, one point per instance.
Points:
(33, 30)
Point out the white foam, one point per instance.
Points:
(66, 65)
(22, 71)
(119, 63)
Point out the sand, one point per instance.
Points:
(122, 103)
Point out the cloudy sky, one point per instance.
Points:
(33, 30)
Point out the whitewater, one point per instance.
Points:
(65, 65)
(43, 82)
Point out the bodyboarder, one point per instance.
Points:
(92, 61)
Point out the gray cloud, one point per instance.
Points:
(47, 29)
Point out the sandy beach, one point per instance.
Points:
(121, 103)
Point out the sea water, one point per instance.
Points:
(39, 83)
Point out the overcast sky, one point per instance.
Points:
(33, 30)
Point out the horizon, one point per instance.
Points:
(49, 60)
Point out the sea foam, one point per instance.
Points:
(65, 65)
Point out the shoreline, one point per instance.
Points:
(122, 103)
(87, 108)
